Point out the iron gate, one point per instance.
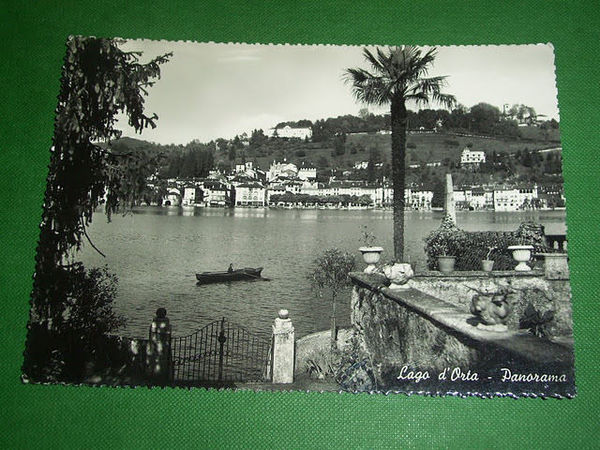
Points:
(220, 351)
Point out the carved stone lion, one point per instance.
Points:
(492, 310)
(399, 275)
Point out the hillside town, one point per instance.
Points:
(287, 185)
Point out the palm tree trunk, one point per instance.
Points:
(398, 118)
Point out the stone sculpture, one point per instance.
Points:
(492, 311)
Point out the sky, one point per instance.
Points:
(210, 90)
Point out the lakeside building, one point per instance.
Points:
(514, 198)
(250, 194)
(356, 188)
(173, 197)
(216, 193)
(291, 132)
(472, 157)
(192, 195)
(417, 199)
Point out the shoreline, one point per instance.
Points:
(343, 208)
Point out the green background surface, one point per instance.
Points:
(33, 39)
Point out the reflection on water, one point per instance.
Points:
(156, 252)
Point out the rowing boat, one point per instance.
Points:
(247, 273)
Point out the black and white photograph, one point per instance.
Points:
(377, 218)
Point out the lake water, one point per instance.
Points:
(156, 252)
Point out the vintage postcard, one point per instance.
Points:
(305, 217)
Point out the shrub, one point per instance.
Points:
(470, 248)
(411, 145)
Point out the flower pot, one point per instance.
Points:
(446, 263)
(487, 265)
(521, 254)
(371, 255)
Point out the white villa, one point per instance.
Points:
(250, 194)
(289, 132)
(472, 157)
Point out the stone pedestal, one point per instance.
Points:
(283, 349)
(158, 358)
(556, 266)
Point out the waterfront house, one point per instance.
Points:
(216, 193)
(173, 197)
(192, 195)
(250, 194)
(418, 199)
(514, 198)
(351, 188)
(478, 198)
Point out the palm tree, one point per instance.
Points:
(398, 76)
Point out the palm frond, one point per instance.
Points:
(377, 62)
(398, 72)
(447, 100)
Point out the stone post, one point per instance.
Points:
(556, 266)
(283, 349)
(158, 356)
(449, 206)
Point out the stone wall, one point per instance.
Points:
(430, 329)
(524, 288)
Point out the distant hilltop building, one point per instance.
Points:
(472, 157)
(291, 132)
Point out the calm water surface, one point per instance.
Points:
(156, 252)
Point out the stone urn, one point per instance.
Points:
(399, 274)
(521, 254)
(446, 263)
(371, 256)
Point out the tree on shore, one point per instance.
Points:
(330, 273)
(99, 81)
(397, 76)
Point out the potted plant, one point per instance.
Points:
(371, 254)
(444, 245)
(487, 264)
(445, 260)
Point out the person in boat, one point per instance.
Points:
(230, 269)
